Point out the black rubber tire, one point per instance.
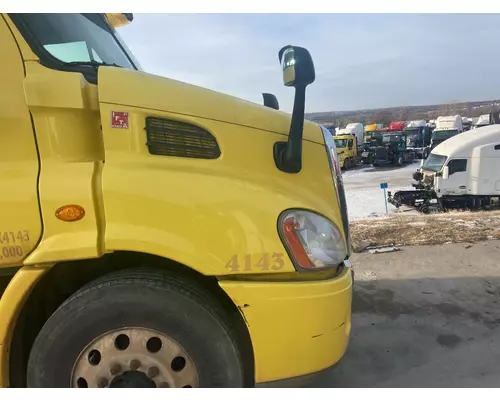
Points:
(399, 161)
(347, 164)
(425, 209)
(171, 304)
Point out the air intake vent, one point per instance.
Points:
(178, 139)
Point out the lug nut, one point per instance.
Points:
(135, 365)
(115, 369)
(153, 371)
(102, 382)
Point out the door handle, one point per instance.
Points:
(462, 187)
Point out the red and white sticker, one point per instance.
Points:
(119, 119)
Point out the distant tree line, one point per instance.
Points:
(387, 115)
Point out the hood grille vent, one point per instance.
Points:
(179, 139)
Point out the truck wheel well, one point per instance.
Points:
(66, 278)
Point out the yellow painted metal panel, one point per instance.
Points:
(296, 328)
(20, 223)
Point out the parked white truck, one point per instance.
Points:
(482, 120)
(462, 172)
(357, 129)
(446, 127)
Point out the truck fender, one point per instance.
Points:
(11, 304)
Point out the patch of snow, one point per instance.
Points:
(417, 223)
(364, 197)
(470, 224)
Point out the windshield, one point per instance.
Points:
(76, 39)
(440, 135)
(390, 138)
(412, 132)
(434, 162)
(341, 143)
(412, 135)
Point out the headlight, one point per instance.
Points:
(312, 241)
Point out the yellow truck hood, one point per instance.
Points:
(138, 89)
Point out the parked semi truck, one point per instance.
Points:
(393, 150)
(482, 120)
(369, 129)
(418, 136)
(155, 233)
(355, 129)
(461, 172)
(397, 126)
(372, 140)
(381, 149)
(348, 151)
(446, 127)
(466, 123)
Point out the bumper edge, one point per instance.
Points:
(303, 381)
(296, 328)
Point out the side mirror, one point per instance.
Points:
(270, 101)
(446, 172)
(297, 65)
(298, 72)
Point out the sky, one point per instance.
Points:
(361, 60)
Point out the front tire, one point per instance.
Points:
(137, 328)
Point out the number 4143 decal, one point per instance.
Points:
(267, 262)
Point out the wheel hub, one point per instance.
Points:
(134, 358)
(132, 379)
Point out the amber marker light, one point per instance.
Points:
(70, 213)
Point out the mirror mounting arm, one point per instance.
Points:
(288, 155)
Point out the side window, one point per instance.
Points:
(455, 166)
(350, 143)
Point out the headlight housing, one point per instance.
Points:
(312, 241)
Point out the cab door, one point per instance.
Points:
(20, 220)
(456, 184)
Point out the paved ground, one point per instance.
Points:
(424, 317)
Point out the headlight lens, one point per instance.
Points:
(312, 241)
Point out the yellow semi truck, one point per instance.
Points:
(155, 233)
(369, 129)
(347, 150)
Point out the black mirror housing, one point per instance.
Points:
(270, 101)
(298, 72)
(297, 65)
